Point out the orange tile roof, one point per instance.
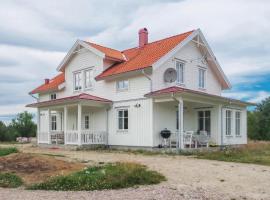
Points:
(52, 85)
(109, 52)
(140, 58)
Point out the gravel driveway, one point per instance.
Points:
(188, 178)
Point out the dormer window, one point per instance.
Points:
(202, 74)
(53, 96)
(180, 72)
(89, 78)
(77, 81)
(122, 85)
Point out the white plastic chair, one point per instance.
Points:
(203, 139)
(188, 138)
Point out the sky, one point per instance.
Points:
(35, 36)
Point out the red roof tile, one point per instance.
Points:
(109, 52)
(81, 96)
(140, 58)
(52, 85)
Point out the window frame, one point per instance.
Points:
(204, 118)
(79, 81)
(178, 67)
(122, 118)
(88, 122)
(53, 123)
(202, 82)
(228, 126)
(122, 88)
(91, 78)
(53, 96)
(237, 123)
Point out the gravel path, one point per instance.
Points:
(188, 178)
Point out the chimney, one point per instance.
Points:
(47, 80)
(143, 37)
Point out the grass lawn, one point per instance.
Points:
(109, 176)
(7, 150)
(8, 180)
(253, 152)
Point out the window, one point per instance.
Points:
(180, 72)
(53, 96)
(228, 124)
(86, 122)
(53, 123)
(202, 78)
(123, 119)
(78, 81)
(237, 123)
(122, 85)
(89, 78)
(204, 118)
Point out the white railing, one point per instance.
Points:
(57, 137)
(72, 137)
(43, 137)
(93, 137)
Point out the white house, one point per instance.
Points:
(125, 98)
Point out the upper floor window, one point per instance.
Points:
(237, 123)
(202, 73)
(53, 96)
(228, 122)
(180, 72)
(123, 119)
(89, 78)
(122, 85)
(78, 81)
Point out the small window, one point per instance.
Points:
(180, 72)
(123, 119)
(122, 85)
(202, 73)
(228, 124)
(89, 78)
(86, 122)
(237, 123)
(53, 123)
(78, 81)
(53, 96)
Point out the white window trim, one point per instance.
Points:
(53, 94)
(240, 123)
(231, 124)
(205, 77)
(52, 121)
(117, 120)
(84, 78)
(74, 81)
(85, 122)
(183, 64)
(122, 89)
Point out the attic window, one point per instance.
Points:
(77, 81)
(122, 85)
(53, 96)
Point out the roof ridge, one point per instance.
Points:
(161, 39)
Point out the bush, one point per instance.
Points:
(8, 180)
(110, 176)
(7, 151)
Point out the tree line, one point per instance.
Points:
(21, 126)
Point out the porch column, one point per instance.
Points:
(79, 124)
(181, 124)
(49, 129)
(38, 124)
(65, 123)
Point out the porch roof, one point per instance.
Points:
(70, 99)
(176, 89)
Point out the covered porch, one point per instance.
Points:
(77, 120)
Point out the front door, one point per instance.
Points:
(204, 121)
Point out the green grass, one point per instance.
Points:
(254, 152)
(7, 150)
(109, 176)
(8, 180)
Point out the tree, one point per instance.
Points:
(23, 125)
(259, 121)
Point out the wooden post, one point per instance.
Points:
(49, 129)
(79, 125)
(38, 125)
(181, 124)
(65, 123)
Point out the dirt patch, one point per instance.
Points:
(33, 168)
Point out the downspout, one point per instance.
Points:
(148, 77)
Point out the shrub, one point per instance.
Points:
(109, 176)
(8, 180)
(6, 151)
